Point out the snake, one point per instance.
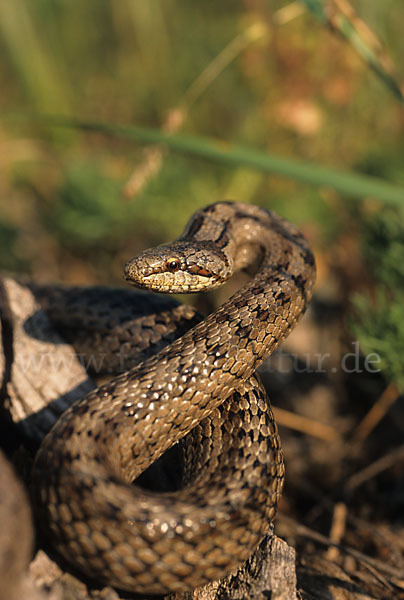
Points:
(200, 394)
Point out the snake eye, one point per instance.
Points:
(173, 265)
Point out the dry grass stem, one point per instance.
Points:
(380, 465)
(337, 530)
(305, 425)
(376, 413)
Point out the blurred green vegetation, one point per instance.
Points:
(265, 75)
(378, 319)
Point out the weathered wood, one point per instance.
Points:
(44, 374)
(269, 573)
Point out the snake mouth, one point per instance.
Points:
(181, 282)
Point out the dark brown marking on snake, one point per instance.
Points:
(262, 315)
(297, 239)
(243, 215)
(196, 270)
(308, 257)
(195, 226)
(300, 283)
(69, 430)
(80, 410)
(283, 298)
(257, 290)
(223, 239)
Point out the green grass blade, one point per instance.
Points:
(348, 29)
(350, 184)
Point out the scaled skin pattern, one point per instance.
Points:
(202, 386)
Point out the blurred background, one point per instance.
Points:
(313, 81)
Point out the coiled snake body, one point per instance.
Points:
(203, 383)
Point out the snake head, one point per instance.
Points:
(179, 267)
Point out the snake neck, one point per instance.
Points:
(245, 236)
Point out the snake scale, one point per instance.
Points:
(202, 386)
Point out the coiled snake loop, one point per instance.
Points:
(203, 383)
